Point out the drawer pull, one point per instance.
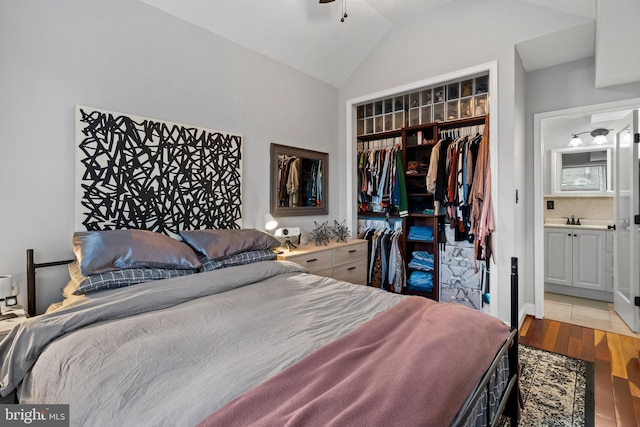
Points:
(351, 268)
(353, 250)
(312, 259)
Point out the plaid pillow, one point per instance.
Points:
(80, 284)
(247, 257)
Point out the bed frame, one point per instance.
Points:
(508, 403)
(31, 279)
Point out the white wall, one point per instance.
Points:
(430, 45)
(556, 88)
(570, 85)
(129, 57)
(519, 136)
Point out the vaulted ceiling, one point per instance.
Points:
(310, 37)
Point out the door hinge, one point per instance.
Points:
(636, 138)
(636, 301)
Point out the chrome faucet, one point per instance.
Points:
(572, 220)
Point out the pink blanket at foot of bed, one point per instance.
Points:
(412, 365)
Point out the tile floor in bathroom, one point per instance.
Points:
(585, 312)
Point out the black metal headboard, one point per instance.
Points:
(31, 279)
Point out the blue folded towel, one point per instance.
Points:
(422, 255)
(420, 281)
(420, 232)
(422, 260)
(420, 265)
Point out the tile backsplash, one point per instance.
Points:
(591, 208)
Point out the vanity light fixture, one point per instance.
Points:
(599, 137)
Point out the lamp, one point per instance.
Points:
(269, 222)
(6, 286)
(6, 289)
(600, 136)
(576, 141)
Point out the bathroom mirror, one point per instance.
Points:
(582, 171)
(299, 184)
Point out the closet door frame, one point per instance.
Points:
(499, 295)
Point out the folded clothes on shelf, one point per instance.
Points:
(421, 260)
(420, 232)
(422, 255)
(420, 281)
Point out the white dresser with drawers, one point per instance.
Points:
(342, 261)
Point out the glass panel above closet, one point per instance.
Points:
(461, 99)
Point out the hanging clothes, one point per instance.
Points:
(378, 176)
(293, 182)
(299, 182)
(451, 176)
(400, 198)
(482, 225)
(386, 263)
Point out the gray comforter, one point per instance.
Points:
(172, 352)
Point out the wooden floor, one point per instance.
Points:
(617, 365)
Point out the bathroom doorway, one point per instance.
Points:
(554, 131)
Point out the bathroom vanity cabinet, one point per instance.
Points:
(576, 257)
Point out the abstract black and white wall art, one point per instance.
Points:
(137, 172)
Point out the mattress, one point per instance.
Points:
(172, 352)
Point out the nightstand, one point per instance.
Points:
(5, 327)
(8, 324)
(342, 261)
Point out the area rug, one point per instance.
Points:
(557, 390)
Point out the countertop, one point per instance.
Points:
(585, 224)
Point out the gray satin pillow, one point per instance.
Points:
(101, 251)
(215, 244)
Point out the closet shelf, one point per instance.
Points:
(420, 240)
(376, 215)
(419, 146)
(430, 295)
(461, 122)
(380, 135)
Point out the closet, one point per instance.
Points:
(416, 156)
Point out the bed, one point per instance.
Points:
(254, 341)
